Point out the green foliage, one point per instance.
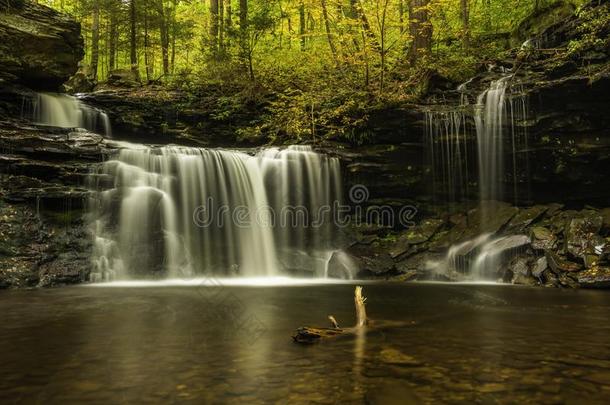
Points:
(307, 70)
(594, 30)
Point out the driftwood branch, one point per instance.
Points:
(308, 335)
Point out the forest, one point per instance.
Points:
(332, 59)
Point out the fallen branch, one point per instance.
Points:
(309, 335)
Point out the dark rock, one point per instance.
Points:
(605, 213)
(568, 281)
(371, 259)
(559, 265)
(524, 280)
(123, 78)
(540, 267)
(595, 277)
(81, 82)
(581, 235)
(543, 238)
(414, 236)
(342, 265)
(551, 279)
(425, 266)
(525, 218)
(39, 47)
(540, 20)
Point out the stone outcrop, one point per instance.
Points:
(557, 248)
(44, 234)
(39, 47)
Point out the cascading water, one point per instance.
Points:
(489, 119)
(447, 143)
(178, 211)
(62, 110)
(498, 134)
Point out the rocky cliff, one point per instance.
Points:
(39, 47)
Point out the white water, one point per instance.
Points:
(496, 113)
(64, 111)
(447, 143)
(226, 282)
(177, 211)
(489, 119)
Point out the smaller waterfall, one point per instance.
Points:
(64, 111)
(500, 116)
(496, 115)
(447, 141)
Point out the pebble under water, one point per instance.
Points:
(232, 344)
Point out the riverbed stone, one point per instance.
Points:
(525, 217)
(543, 238)
(581, 237)
(595, 277)
(540, 266)
(560, 265)
(418, 234)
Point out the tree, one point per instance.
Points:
(133, 56)
(214, 27)
(420, 30)
(95, 38)
(465, 14)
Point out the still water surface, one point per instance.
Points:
(231, 344)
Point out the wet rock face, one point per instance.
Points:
(39, 47)
(44, 233)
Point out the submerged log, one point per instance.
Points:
(309, 335)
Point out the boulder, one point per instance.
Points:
(540, 267)
(581, 236)
(39, 47)
(123, 78)
(416, 235)
(81, 82)
(595, 277)
(525, 217)
(342, 265)
(543, 238)
(371, 259)
(559, 265)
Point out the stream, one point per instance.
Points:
(218, 343)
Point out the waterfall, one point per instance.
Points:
(499, 115)
(489, 119)
(62, 110)
(178, 211)
(447, 143)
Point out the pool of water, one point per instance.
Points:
(217, 343)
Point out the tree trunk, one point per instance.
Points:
(164, 37)
(146, 48)
(333, 50)
(302, 24)
(465, 23)
(243, 18)
(420, 29)
(214, 26)
(228, 21)
(366, 26)
(95, 39)
(132, 48)
(112, 41)
(221, 22)
(174, 32)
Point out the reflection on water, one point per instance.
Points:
(232, 344)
